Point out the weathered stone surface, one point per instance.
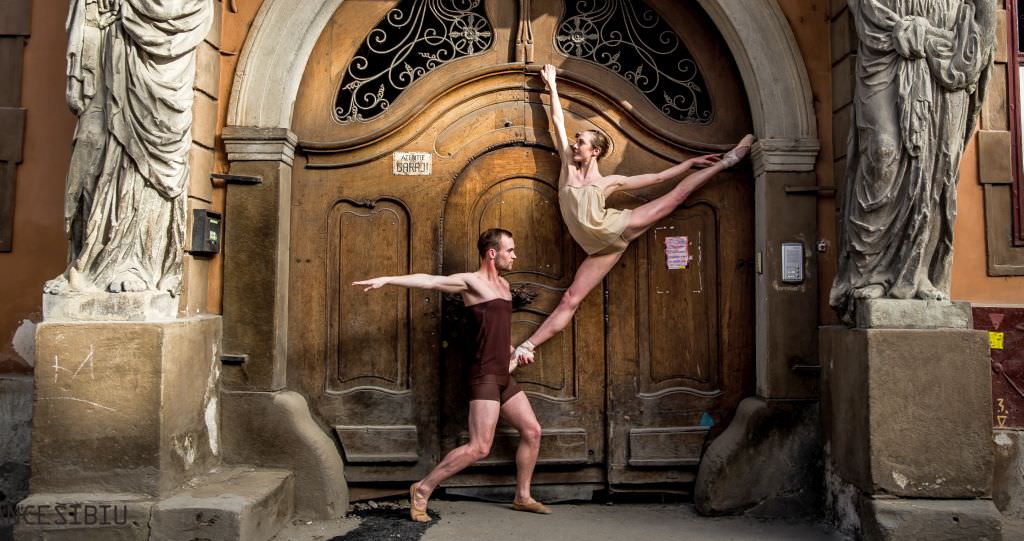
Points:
(1008, 480)
(132, 306)
(898, 205)
(256, 267)
(913, 314)
(766, 464)
(125, 195)
(125, 407)
(276, 430)
(934, 520)
(80, 516)
(906, 412)
(231, 503)
(15, 427)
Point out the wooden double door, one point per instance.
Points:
(654, 362)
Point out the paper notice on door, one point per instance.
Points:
(677, 252)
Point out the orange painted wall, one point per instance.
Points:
(970, 279)
(39, 247)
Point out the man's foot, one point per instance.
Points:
(531, 506)
(417, 505)
(738, 152)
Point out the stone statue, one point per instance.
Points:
(922, 66)
(131, 66)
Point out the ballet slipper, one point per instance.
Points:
(738, 152)
(417, 514)
(532, 506)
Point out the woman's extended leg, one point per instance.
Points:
(590, 273)
(646, 215)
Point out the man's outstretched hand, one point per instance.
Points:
(372, 283)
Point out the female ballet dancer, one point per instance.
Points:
(605, 233)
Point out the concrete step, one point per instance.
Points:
(231, 503)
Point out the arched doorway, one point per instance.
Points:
(259, 142)
(653, 365)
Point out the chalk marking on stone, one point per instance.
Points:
(88, 360)
(91, 403)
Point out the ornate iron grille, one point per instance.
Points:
(629, 38)
(414, 38)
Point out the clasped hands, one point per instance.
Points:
(523, 354)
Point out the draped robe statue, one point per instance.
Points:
(922, 66)
(131, 66)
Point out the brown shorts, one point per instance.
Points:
(493, 387)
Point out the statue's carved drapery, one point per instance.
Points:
(131, 66)
(921, 71)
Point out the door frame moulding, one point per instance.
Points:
(759, 37)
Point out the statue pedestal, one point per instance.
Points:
(124, 414)
(93, 307)
(906, 415)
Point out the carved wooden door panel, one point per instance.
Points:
(654, 362)
(678, 341)
(516, 188)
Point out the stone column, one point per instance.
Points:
(269, 425)
(774, 437)
(257, 241)
(906, 397)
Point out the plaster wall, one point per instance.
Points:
(39, 247)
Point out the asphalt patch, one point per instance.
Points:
(387, 525)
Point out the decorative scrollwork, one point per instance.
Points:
(414, 38)
(629, 38)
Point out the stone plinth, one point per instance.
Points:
(913, 314)
(906, 419)
(125, 407)
(93, 307)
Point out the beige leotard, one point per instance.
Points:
(596, 228)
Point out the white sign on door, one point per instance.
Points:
(412, 163)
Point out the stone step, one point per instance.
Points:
(231, 503)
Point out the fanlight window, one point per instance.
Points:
(414, 38)
(629, 38)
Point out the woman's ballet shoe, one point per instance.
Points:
(738, 152)
(532, 506)
(417, 514)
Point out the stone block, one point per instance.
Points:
(78, 516)
(195, 285)
(95, 307)
(907, 412)
(995, 157)
(1008, 479)
(213, 37)
(767, 463)
(207, 70)
(842, 82)
(1001, 40)
(204, 120)
(841, 121)
(994, 110)
(231, 503)
(125, 407)
(201, 165)
(277, 430)
(843, 35)
(934, 520)
(913, 314)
